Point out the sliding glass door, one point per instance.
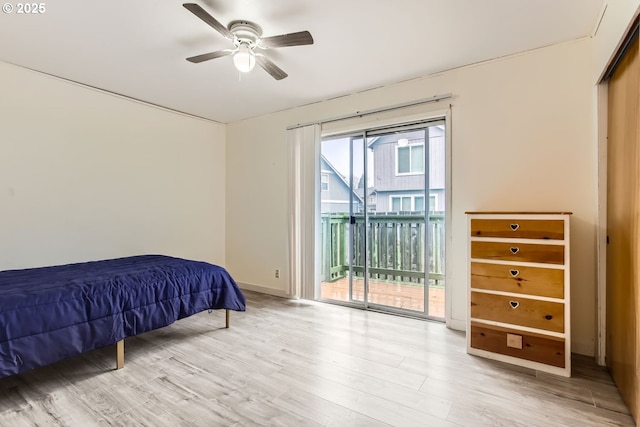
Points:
(342, 211)
(382, 198)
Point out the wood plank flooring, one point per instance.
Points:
(300, 363)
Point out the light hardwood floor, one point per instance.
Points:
(298, 363)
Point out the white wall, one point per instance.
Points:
(86, 175)
(522, 140)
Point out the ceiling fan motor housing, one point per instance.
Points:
(245, 32)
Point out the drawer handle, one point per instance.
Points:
(514, 304)
(548, 317)
(514, 273)
(514, 227)
(514, 249)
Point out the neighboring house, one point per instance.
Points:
(398, 180)
(335, 193)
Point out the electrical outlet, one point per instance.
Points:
(277, 273)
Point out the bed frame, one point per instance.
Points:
(53, 313)
(120, 345)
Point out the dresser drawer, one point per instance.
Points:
(546, 282)
(519, 252)
(535, 347)
(518, 311)
(518, 228)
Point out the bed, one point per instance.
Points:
(51, 313)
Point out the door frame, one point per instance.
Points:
(601, 94)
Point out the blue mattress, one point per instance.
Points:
(48, 314)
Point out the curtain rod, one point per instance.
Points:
(435, 98)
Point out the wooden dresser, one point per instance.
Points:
(519, 309)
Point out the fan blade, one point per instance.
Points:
(202, 14)
(211, 55)
(284, 40)
(271, 68)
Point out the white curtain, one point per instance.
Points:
(304, 155)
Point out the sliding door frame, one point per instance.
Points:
(416, 124)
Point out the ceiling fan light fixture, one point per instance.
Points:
(244, 59)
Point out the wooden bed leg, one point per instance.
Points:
(120, 354)
(227, 319)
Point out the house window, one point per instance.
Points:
(410, 159)
(324, 182)
(407, 203)
(400, 203)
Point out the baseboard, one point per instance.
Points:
(263, 290)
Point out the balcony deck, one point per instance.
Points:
(398, 295)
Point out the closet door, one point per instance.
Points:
(623, 229)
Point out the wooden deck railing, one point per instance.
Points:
(397, 244)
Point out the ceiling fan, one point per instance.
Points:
(247, 38)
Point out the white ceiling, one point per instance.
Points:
(137, 48)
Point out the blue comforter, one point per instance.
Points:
(51, 313)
